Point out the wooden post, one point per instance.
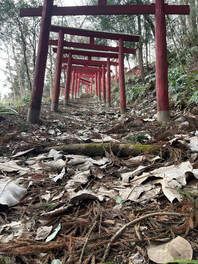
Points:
(78, 87)
(108, 82)
(91, 87)
(67, 87)
(96, 84)
(57, 77)
(39, 75)
(161, 62)
(72, 84)
(103, 84)
(75, 85)
(121, 78)
(99, 85)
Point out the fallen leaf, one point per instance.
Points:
(104, 138)
(139, 193)
(78, 178)
(54, 233)
(46, 196)
(43, 232)
(171, 178)
(76, 161)
(11, 166)
(59, 176)
(13, 230)
(84, 195)
(56, 261)
(137, 258)
(177, 249)
(10, 192)
(193, 145)
(127, 176)
(102, 191)
(135, 160)
(22, 153)
(100, 162)
(55, 164)
(54, 154)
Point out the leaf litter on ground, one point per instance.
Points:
(116, 190)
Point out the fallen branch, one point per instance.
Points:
(135, 221)
(98, 149)
(26, 248)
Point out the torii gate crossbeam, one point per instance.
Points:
(89, 53)
(91, 46)
(97, 10)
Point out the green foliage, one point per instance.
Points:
(17, 105)
(183, 261)
(183, 86)
(194, 98)
(139, 138)
(5, 260)
(136, 91)
(4, 110)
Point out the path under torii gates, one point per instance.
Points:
(97, 54)
(159, 9)
(100, 78)
(117, 53)
(98, 74)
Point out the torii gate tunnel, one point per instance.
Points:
(100, 81)
(159, 9)
(76, 79)
(121, 50)
(78, 75)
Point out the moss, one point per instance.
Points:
(5, 260)
(99, 149)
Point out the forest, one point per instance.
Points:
(90, 183)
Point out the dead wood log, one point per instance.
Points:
(99, 149)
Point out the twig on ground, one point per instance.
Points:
(87, 239)
(122, 229)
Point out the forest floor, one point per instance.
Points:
(60, 205)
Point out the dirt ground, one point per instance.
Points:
(72, 207)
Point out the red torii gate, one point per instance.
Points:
(159, 9)
(98, 54)
(97, 73)
(101, 80)
(100, 77)
(92, 35)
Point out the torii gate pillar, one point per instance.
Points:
(104, 84)
(99, 85)
(161, 62)
(72, 84)
(108, 82)
(68, 80)
(57, 77)
(39, 75)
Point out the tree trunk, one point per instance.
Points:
(24, 54)
(140, 50)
